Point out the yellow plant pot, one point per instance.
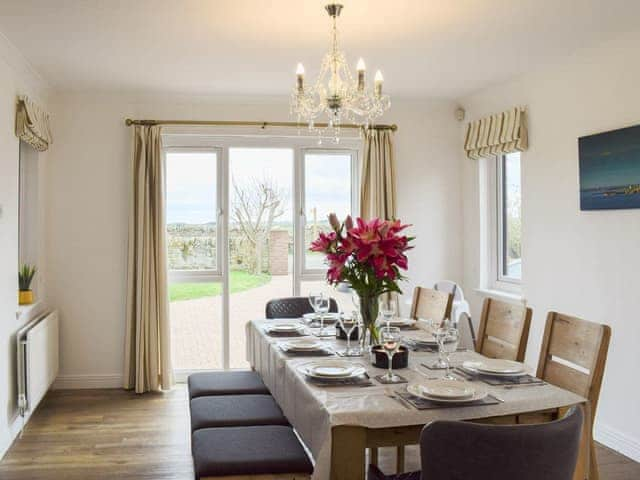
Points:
(25, 297)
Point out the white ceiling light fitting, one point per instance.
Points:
(336, 93)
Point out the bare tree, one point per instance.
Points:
(256, 205)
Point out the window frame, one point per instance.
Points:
(501, 223)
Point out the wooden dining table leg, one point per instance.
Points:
(400, 459)
(348, 453)
(373, 456)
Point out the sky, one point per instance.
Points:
(191, 181)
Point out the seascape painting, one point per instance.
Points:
(610, 170)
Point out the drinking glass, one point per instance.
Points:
(387, 307)
(390, 337)
(322, 305)
(349, 324)
(448, 340)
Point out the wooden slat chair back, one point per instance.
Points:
(431, 304)
(504, 330)
(573, 357)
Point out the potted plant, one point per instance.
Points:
(368, 255)
(25, 277)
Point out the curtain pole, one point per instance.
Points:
(263, 125)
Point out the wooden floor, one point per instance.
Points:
(112, 434)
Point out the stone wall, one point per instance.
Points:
(279, 252)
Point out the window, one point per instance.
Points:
(328, 188)
(192, 213)
(509, 218)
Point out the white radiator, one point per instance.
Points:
(37, 361)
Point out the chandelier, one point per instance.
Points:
(336, 93)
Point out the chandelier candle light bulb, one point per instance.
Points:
(361, 68)
(300, 77)
(378, 83)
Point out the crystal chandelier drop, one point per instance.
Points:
(336, 93)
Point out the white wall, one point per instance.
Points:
(87, 202)
(15, 78)
(581, 263)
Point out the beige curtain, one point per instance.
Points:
(32, 124)
(148, 347)
(378, 182)
(504, 132)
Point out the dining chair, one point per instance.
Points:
(504, 330)
(460, 311)
(573, 356)
(293, 307)
(431, 304)
(451, 450)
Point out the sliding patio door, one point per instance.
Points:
(241, 212)
(195, 259)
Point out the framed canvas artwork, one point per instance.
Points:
(610, 169)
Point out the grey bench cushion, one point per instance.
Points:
(225, 383)
(235, 411)
(271, 449)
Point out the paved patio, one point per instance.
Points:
(196, 325)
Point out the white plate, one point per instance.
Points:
(303, 345)
(285, 327)
(315, 317)
(495, 366)
(335, 369)
(448, 389)
(418, 389)
(401, 322)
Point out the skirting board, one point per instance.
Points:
(618, 441)
(77, 382)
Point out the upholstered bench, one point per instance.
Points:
(262, 452)
(235, 411)
(225, 383)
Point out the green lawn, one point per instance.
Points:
(239, 281)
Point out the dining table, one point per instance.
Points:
(338, 423)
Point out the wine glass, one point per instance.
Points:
(355, 299)
(390, 337)
(349, 324)
(448, 340)
(387, 307)
(322, 305)
(313, 301)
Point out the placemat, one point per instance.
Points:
(424, 404)
(361, 381)
(498, 380)
(285, 334)
(382, 379)
(309, 353)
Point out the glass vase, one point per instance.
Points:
(369, 314)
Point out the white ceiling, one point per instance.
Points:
(424, 47)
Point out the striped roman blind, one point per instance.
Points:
(504, 132)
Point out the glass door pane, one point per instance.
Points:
(195, 288)
(327, 189)
(260, 237)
